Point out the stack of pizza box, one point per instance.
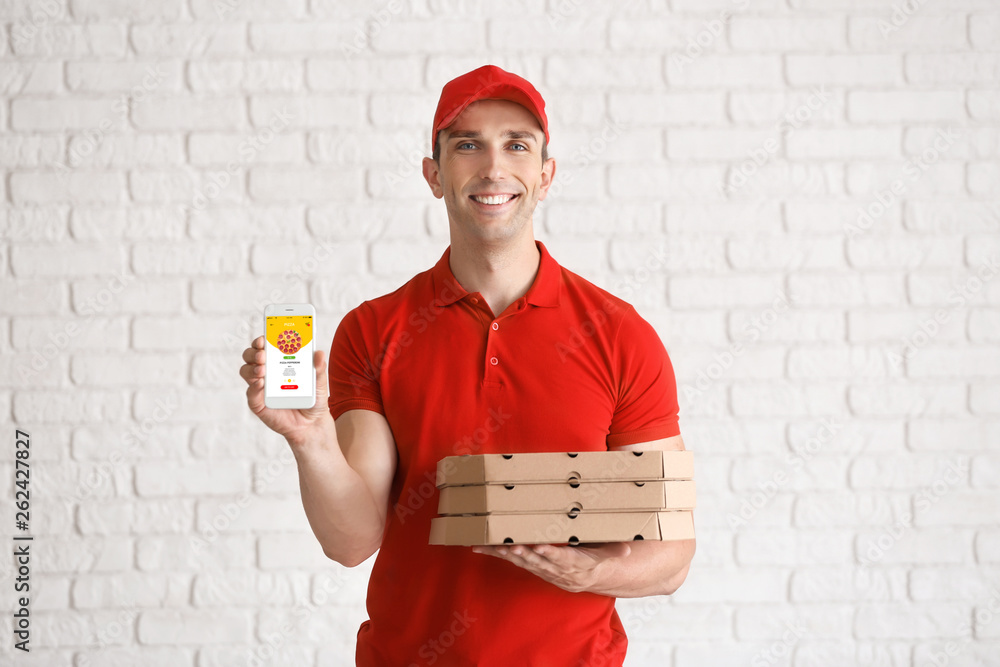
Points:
(564, 498)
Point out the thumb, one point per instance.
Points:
(322, 381)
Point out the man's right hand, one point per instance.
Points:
(298, 425)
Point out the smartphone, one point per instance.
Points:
(289, 342)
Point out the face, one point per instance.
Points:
(491, 173)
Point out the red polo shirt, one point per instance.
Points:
(567, 367)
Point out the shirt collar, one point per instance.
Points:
(544, 291)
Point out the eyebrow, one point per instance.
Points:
(507, 134)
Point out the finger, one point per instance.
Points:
(251, 354)
(252, 372)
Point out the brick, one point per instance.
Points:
(124, 150)
(139, 78)
(791, 253)
(849, 509)
(74, 554)
(337, 258)
(788, 326)
(70, 187)
(58, 477)
(665, 181)
(781, 548)
(439, 36)
(949, 505)
(276, 655)
(189, 39)
(251, 514)
(248, 10)
(944, 362)
(983, 30)
(952, 68)
(127, 656)
(778, 33)
(759, 584)
(31, 296)
(902, 106)
(292, 550)
(786, 399)
(984, 105)
(690, 327)
(723, 71)
(720, 143)
(200, 553)
(894, 252)
(312, 37)
(768, 622)
(253, 76)
(210, 441)
(905, 326)
(645, 33)
(95, 115)
(909, 399)
(844, 70)
(60, 407)
(673, 108)
(237, 588)
(846, 290)
(960, 144)
(724, 291)
(138, 11)
(567, 219)
(144, 516)
(179, 479)
(113, 445)
(949, 217)
(884, 184)
(179, 113)
(917, 621)
(130, 589)
(844, 144)
(951, 291)
(983, 178)
(983, 399)
(695, 364)
(35, 78)
(271, 184)
(984, 325)
(931, 584)
(841, 584)
(771, 108)
(391, 256)
(81, 629)
(382, 74)
(35, 223)
(176, 259)
(275, 222)
(60, 40)
(513, 34)
(154, 186)
(892, 472)
(198, 627)
(936, 434)
(839, 362)
(941, 32)
(221, 149)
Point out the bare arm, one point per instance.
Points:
(345, 466)
(344, 478)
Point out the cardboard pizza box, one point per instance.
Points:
(564, 466)
(494, 529)
(565, 497)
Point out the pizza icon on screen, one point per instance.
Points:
(289, 342)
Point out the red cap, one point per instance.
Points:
(487, 82)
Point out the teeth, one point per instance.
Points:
(496, 199)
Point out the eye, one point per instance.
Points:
(520, 147)
(465, 144)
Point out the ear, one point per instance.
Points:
(548, 174)
(432, 174)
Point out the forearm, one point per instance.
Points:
(652, 568)
(338, 503)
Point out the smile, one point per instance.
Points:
(492, 200)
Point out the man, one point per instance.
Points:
(495, 349)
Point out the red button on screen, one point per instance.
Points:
(289, 386)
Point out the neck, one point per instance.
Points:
(501, 273)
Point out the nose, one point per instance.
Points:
(491, 167)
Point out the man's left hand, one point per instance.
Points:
(573, 569)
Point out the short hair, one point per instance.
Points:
(436, 155)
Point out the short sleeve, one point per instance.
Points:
(354, 378)
(647, 407)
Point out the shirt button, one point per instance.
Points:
(474, 300)
(495, 326)
(494, 361)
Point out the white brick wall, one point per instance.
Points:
(169, 166)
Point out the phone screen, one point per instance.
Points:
(289, 370)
